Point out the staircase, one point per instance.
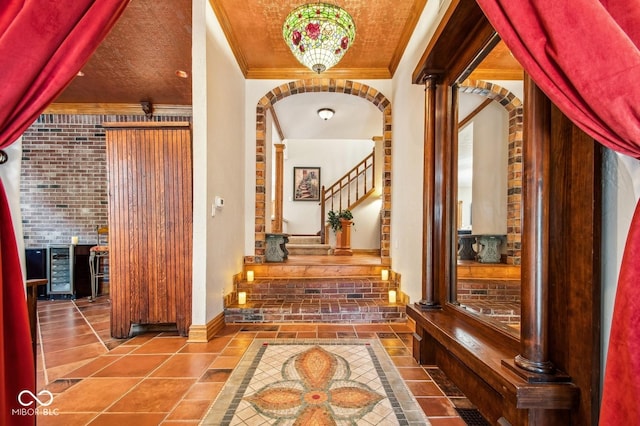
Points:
(348, 191)
(345, 293)
(307, 245)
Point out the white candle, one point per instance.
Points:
(249, 276)
(74, 240)
(384, 274)
(242, 298)
(392, 296)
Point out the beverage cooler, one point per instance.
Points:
(60, 271)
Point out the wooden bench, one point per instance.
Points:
(482, 366)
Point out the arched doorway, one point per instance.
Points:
(347, 87)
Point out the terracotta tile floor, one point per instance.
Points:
(159, 378)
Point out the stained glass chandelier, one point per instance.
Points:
(319, 34)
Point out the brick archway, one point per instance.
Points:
(513, 105)
(347, 87)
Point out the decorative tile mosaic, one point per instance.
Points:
(317, 381)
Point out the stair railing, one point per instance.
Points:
(348, 191)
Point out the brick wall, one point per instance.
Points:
(488, 290)
(63, 184)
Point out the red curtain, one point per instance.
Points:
(43, 44)
(584, 55)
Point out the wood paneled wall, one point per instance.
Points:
(150, 224)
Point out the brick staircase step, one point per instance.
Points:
(329, 289)
(361, 299)
(316, 310)
(317, 288)
(285, 270)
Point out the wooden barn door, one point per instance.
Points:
(150, 224)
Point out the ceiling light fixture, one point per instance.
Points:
(319, 34)
(325, 113)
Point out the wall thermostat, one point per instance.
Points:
(218, 201)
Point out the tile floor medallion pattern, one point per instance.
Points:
(318, 382)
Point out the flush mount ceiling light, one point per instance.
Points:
(325, 113)
(319, 34)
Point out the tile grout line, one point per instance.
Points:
(90, 326)
(44, 362)
(253, 335)
(142, 379)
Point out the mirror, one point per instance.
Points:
(489, 187)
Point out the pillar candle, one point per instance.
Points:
(74, 240)
(249, 276)
(384, 274)
(392, 296)
(242, 298)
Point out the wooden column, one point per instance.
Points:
(277, 208)
(534, 341)
(429, 299)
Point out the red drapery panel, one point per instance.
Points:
(43, 44)
(584, 55)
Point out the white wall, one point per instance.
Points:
(407, 166)
(490, 162)
(334, 157)
(365, 232)
(218, 164)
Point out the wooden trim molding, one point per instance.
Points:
(145, 124)
(204, 333)
(116, 109)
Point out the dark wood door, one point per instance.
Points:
(81, 270)
(150, 224)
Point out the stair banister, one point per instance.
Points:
(336, 190)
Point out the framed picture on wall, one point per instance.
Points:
(306, 184)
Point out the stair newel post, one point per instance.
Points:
(323, 228)
(343, 239)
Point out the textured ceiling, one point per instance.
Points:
(254, 28)
(139, 58)
(152, 40)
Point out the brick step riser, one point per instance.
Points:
(315, 296)
(292, 289)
